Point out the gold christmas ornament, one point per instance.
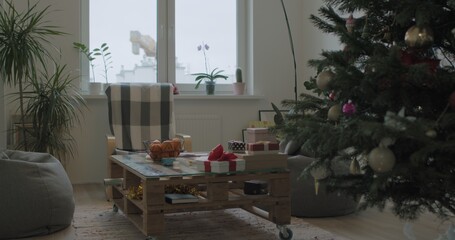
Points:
(354, 167)
(318, 173)
(381, 159)
(419, 37)
(323, 79)
(334, 112)
(431, 133)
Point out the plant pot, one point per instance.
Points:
(210, 88)
(105, 86)
(239, 88)
(95, 88)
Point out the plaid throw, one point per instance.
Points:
(140, 112)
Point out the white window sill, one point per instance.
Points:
(192, 97)
(216, 97)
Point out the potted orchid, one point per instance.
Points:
(208, 76)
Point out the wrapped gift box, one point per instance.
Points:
(259, 134)
(236, 146)
(236, 165)
(262, 148)
(221, 166)
(264, 161)
(213, 166)
(203, 166)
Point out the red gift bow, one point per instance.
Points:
(218, 154)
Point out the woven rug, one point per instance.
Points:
(100, 222)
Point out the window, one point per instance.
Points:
(157, 40)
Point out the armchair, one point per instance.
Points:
(139, 112)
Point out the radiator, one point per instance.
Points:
(205, 130)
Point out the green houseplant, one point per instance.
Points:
(53, 105)
(46, 100)
(23, 37)
(105, 54)
(210, 82)
(210, 76)
(239, 85)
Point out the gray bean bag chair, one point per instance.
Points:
(36, 195)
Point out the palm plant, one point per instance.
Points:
(23, 37)
(53, 105)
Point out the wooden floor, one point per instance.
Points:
(372, 224)
(367, 225)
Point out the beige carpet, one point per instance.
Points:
(100, 222)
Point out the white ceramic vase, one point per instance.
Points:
(95, 88)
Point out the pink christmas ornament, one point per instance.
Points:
(350, 23)
(349, 109)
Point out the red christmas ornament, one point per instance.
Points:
(407, 58)
(452, 100)
(349, 109)
(175, 90)
(332, 96)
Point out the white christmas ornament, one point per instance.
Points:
(381, 159)
(397, 120)
(323, 79)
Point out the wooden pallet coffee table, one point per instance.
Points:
(218, 191)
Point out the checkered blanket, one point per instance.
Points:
(140, 112)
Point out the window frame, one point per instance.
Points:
(165, 52)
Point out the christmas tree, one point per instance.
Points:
(384, 104)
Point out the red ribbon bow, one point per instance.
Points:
(218, 154)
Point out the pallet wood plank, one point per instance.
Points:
(222, 191)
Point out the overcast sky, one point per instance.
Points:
(197, 21)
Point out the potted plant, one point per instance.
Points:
(210, 76)
(103, 51)
(48, 101)
(53, 106)
(239, 85)
(24, 37)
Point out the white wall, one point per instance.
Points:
(3, 133)
(271, 71)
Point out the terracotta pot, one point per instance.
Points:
(239, 88)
